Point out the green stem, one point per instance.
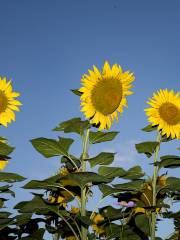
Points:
(83, 189)
(155, 174)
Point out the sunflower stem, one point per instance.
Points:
(83, 189)
(154, 182)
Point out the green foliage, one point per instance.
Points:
(98, 137)
(147, 148)
(74, 125)
(103, 158)
(169, 161)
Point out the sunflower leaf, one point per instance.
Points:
(111, 172)
(50, 147)
(147, 148)
(82, 178)
(76, 92)
(135, 185)
(98, 137)
(149, 128)
(10, 177)
(75, 125)
(169, 161)
(5, 149)
(104, 158)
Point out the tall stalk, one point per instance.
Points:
(83, 189)
(154, 182)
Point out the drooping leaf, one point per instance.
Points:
(169, 161)
(75, 125)
(10, 177)
(104, 158)
(82, 178)
(147, 148)
(111, 172)
(98, 137)
(76, 92)
(149, 128)
(49, 147)
(5, 149)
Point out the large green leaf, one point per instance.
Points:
(142, 222)
(134, 173)
(173, 183)
(107, 190)
(36, 205)
(49, 147)
(82, 178)
(135, 185)
(98, 137)
(35, 184)
(5, 149)
(169, 161)
(104, 158)
(111, 172)
(22, 219)
(147, 148)
(75, 125)
(10, 177)
(65, 143)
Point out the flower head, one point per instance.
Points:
(7, 102)
(96, 226)
(165, 112)
(104, 94)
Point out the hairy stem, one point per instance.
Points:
(83, 189)
(155, 174)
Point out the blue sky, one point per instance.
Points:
(45, 48)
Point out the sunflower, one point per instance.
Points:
(7, 102)
(165, 112)
(104, 94)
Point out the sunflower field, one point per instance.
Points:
(59, 207)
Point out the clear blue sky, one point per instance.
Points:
(46, 46)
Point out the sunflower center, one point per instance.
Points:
(170, 113)
(3, 102)
(107, 95)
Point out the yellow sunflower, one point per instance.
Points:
(165, 112)
(104, 94)
(7, 102)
